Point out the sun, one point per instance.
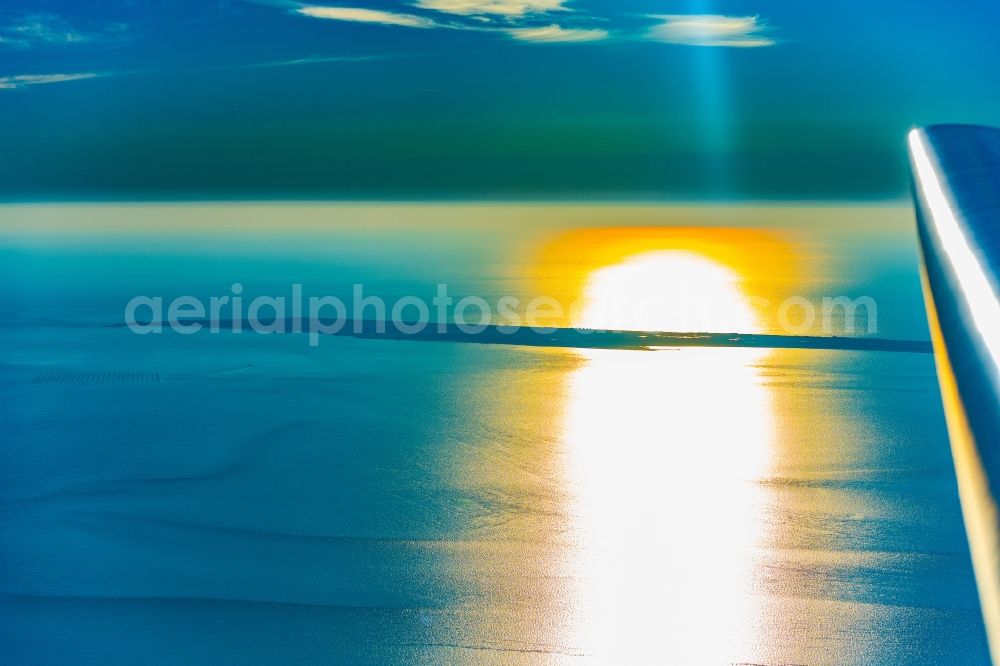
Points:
(667, 290)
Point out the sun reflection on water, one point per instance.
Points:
(663, 450)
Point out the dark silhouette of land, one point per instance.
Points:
(564, 337)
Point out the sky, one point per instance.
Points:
(483, 99)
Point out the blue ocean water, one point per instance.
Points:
(242, 498)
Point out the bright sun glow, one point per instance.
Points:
(667, 290)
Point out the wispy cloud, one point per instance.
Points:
(319, 60)
(533, 21)
(33, 30)
(710, 30)
(361, 15)
(554, 34)
(517, 18)
(23, 80)
(508, 8)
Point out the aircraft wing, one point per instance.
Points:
(956, 178)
